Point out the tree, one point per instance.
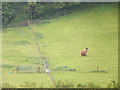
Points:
(13, 12)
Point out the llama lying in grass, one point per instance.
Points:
(84, 52)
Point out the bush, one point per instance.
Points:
(7, 85)
(92, 85)
(65, 84)
(71, 84)
(88, 85)
(112, 84)
(80, 86)
(29, 85)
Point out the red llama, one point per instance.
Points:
(84, 52)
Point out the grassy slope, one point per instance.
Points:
(63, 38)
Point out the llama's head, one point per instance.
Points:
(86, 49)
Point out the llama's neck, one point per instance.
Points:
(86, 50)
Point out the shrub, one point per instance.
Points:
(88, 85)
(71, 84)
(65, 84)
(112, 84)
(92, 85)
(29, 85)
(7, 85)
(79, 85)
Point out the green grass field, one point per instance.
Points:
(61, 41)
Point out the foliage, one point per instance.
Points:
(7, 85)
(15, 12)
(92, 85)
(65, 84)
(59, 84)
(88, 85)
(8, 66)
(29, 85)
(112, 84)
(72, 84)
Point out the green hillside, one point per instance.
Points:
(61, 41)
